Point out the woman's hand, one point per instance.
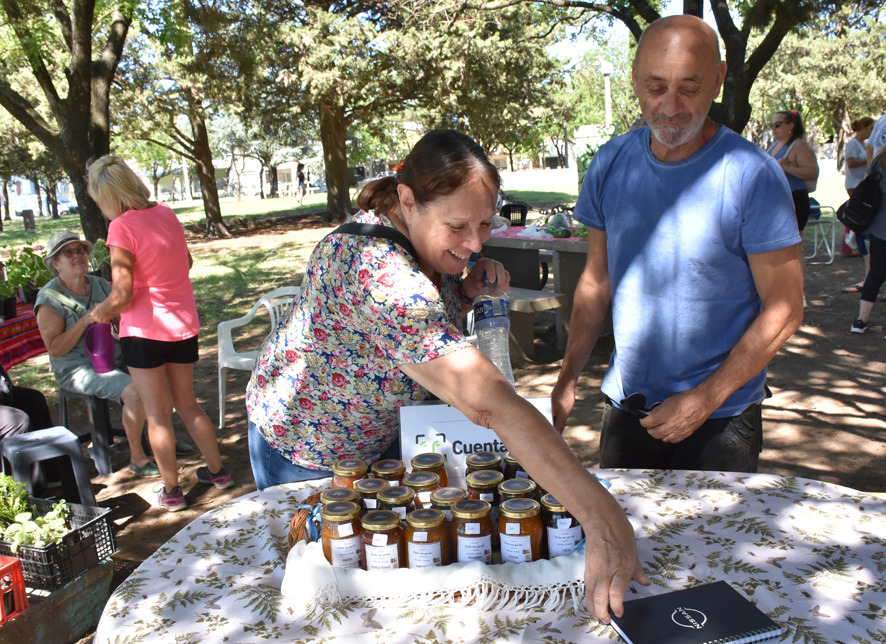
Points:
(100, 313)
(493, 271)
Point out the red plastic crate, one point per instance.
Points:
(13, 596)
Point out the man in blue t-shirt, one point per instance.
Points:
(693, 242)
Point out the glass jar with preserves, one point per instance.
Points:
(482, 461)
(368, 490)
(334, 494)
(517, 489)
(427, 539)
(483, 485)
(389, 469)
(443, 499)
(384, 545)
(340, 534)
(348, 471)
(520, 530)
(564, 532)
(513, 470)
(470, 532)
(423, 484)
(431, 462)
(399, 498)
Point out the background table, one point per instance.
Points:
(812, 555)
(19, 337)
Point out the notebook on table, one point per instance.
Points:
(708, 614)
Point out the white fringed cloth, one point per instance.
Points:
(311, 582)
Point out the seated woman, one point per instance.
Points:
(64, 310)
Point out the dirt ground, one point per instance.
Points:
(826, 419)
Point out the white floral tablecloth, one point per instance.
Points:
(811, 555)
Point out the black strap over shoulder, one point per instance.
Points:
(377, 230)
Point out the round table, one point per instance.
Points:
(811, 555)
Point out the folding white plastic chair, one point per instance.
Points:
(277, 304)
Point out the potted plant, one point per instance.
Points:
(34, 271)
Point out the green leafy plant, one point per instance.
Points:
(100, 255)
(13, 499)
(38, 531)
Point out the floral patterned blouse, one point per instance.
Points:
(326, 384)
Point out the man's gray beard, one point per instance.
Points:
(666, 135)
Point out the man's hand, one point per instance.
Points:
(562, 403)
(679, 416)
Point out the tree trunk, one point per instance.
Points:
(36, 183)
(215, 227)
(274, 181)
(187, 190)
(94, 224)
(6, 215)
(333, 135)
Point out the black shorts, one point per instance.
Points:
(140, 353)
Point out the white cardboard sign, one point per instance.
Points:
(438, 427)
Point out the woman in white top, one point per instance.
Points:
(858, 156)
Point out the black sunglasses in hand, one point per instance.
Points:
(635, 405)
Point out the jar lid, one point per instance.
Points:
(483, 460)
(426, 518)
(388, 467)
(428, 460)
(396, 495)
(381, 520)
(339, 494)
(370, 487)
(552, 504)
(520, 508)
(517, 487)
(446, 496)
(471, 509)
(350, 467)
(421, 480)
(510, 459)
(340, 511)
(483, 479)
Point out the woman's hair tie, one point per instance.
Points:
(397, 169)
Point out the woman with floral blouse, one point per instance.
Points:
(375, 327)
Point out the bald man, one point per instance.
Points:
(693, 243)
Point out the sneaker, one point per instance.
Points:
(149, 469)
(221, 479)
(858, 326)
(173, 501)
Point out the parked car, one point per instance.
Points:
(66, 207)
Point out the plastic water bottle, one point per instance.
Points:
(492, 325)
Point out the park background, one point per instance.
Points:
(194, 92)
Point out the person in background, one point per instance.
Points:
(302, 182)
(693, 242)
(22, 410)
(876, 233)
(64, 309)
(800, 166)
(153, 294)
(375, 327)
(858, 155)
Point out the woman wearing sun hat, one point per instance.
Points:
(64, 309)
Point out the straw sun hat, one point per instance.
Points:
(59, 241)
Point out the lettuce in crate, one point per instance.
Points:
(20, 526)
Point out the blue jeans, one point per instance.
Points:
(270, 467)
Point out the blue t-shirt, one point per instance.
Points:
(678, 239)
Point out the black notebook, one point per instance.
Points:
(708, 614)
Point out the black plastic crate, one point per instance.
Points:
(89, 541)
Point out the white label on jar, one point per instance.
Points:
(424, 497)
(345, 530)
(394, 483)
(564, 524)
(419, 536)
(472, 528)
(487, 496)
(370, 504)
(474, 548)
(521, 475)
(515, 549)
(379, 539)
(563, 542)
(346, 552)
(422, 555)
(382, 557)
(401, 510)
(512, 528)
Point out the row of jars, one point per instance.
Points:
(346, 472)
(381, 539)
